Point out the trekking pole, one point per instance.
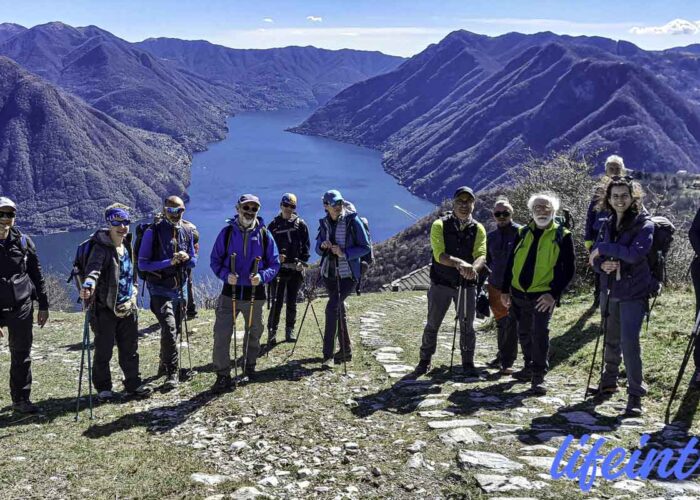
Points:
(232, 265)
(183, 314)
(85, 347)
(340, 316)
(272, 297)
(460, 299)
(603, 333)
(246, 338)
(180, 283)
(309, 300)
(686, 357)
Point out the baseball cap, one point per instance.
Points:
(248, 198)
(289, 198)
(6, 202)
(332, 197)
(464, 189)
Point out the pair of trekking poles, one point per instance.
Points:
(232, 265)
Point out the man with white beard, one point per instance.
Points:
(539, 270)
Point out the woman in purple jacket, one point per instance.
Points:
(620, 257)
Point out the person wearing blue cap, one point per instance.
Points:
(245, 258)
(341, 242)
(292, 237)
(21, 281)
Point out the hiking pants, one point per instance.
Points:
(625, 320)
(507, 329)
(286, 286)
(333, 323)
(223, 330)
(533, 333)
(109, 328)
(169, 314)
(18, 326)
(695, 275)
(439, 299)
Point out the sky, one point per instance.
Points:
(394, 27)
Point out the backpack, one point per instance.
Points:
(141, 230)
(660, 246)
(368, 258)
(82, 253)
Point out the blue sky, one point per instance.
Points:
(395, 27)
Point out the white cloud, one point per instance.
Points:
(314, 19)
(675, 27)
(268, 20)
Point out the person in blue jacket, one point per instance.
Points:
(167, 250)
(247, 237)
(341, 242)
(620, 257)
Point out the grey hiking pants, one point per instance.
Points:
(439, 299)
(223, 330)
(622, 342)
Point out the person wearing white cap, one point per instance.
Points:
(21, 281)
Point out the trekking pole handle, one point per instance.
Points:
(232, 263)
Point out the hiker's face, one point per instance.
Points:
(620, 198)
(247, 212)
(287, 210)
(121, 230)
(334, 210)
(173, 211)
(502, 214)
(613, 169)
(463, 206)
(542, 212)
(7, 218)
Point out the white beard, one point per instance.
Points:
(543, 220)
(246, 222)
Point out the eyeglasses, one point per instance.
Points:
(288, 205)
(117, 223)
(336, 204)
(7, 215)
(251, 209)
(499, 215)
(174, 210)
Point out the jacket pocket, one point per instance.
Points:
(15, 290)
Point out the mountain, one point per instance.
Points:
(8, 30)
(289, 77)
(466, 110)
(63, 161)
(125, 82)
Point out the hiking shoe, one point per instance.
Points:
(271, 340)
(524, 374)
(538, 386)
(223, 383)
(609, 389)
(494, 363)
(25, 406)
(339, 358)
(422, 368)
(289, 335)
(142, 391)
(327, 364)
(695, 381)
(469, 369)
(250, 373)
(106, 396)
(634, 406)
(171, 382)
(506, 371)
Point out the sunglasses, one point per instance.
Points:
(7, 215)
(174, 210)
(288, 205)
(499, 215)
(117, 223)
(624, 178)
(336, 204)
(251, 209)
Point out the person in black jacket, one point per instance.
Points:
(694, 235)
(111, 277)
(21, 281)
(292, 237)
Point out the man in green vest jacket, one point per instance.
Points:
(539, 269)
(459, 252)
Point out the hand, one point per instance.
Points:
(232, 279)
(255, 279)
(337, 250)
(545, 303)
(326, 245)
(467, 271)
(610, 266)
(282, 258)
(87, 289)
(505, 300)
(593, 256)
(42, 317)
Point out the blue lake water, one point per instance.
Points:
(259, 157)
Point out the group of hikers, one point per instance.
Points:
(527, 267)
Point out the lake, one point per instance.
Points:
(260, 157)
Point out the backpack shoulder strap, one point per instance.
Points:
(229, 232)
(265, 239)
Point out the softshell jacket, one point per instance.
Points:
(20, 270)
(356, 240)
(247, 245)
(292, 237)
(594, 221)
(103, 267)
(499, 245)
(630, 245)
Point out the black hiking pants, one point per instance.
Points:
(286, 286)
(109, 329)
(18, 324)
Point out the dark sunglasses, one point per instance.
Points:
(174, 210)
(7, 215)
(498, 215)
(289, 205)
(250, 208)
(336, 204)
(117, 223)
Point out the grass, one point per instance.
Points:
(149, 448)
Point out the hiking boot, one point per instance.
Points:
(106, 396)
(494, 363)
(250, 373)
(538, 386)
(634, 406)
(339, 358)
(223, 383)
(271, 339)
(26, 407)
(469, 370)
(422, 368)
(289, 334)
(327, 364)
(142, 391)
(608, 389)
(524, 374)
(695, 381)
(171, 382)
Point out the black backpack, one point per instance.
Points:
(368, 257)
(660, 246)
(82, 253)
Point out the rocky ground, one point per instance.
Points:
(300, 432)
